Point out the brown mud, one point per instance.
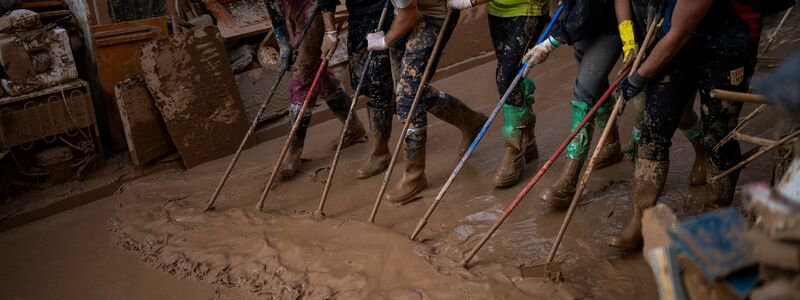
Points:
(238, 253)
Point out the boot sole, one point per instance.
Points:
(610, 161)
(414, 196)
(548, 197)
(360, 175)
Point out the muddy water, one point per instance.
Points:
(284, 253)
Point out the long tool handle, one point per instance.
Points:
(522, 73)
(758, 154)
(740, 126)
(540, 173)
(423, 83)
(600, 144)
(293, 133)
(255, 121)
(350, 113)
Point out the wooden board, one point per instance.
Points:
(117, 49)
(254, 86)
(192, 83)
(145, 131)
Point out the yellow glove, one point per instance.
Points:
(628, 42)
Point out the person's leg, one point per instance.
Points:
(665, 102)
(727, 69)
(692, 130)
(440, 104)
(378, 85)
(511, 37)
(596, 56)
(407, 64)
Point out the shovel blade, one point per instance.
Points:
(546, 270)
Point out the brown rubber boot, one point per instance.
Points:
(611, 153)
(560, 194)
(513, 159)
(720, 192)
(698, 174)
(291, 165)
(458, 114)
(381, 123)
(413, 181)
(339, 104)
(648, 182)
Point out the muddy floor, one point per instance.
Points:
(151, 241)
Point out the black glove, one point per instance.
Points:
(631, 86)
(285, 47)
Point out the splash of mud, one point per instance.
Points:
(290, 257)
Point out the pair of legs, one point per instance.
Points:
(596, 56)
(691, 71)
(511, 38)
(377, 84)
(308, 61)
(409, 59)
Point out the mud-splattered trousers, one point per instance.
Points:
(667, 95)
(297, 13)
(378, 84)
(596, 55)
(512, 37)
(409, 58)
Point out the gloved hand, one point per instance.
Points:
(376, 41)
(459, 4)
(540, 52)
(629, 47)
(329, 42)
(631, 86)
(284, 47)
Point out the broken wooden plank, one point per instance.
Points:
(192, 83)
(145, 131)
(117, 49)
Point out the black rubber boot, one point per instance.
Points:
(339, 104)
(458, 114)
(720, 192)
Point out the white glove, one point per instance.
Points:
(540, 52)
(459, 4)
(376, 41)
(328, 42)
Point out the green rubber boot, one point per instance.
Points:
(560, 194)
(518, 131)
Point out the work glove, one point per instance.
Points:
(376, 41)
(329, 42)
(284, 47)
(630, 87)
(629, 46)
(459, 4)
(540, 52)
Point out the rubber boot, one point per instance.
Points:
(648, 182)
(560, 195)
(698, 174)
(611, 153)
(381, 124)
(413, 181)
(291, 164)
(720, 192)
(339, 104)
(451, 110)
(520, 145)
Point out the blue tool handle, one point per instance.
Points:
(546, 32)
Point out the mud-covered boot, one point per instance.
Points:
(339, 104)
(413, 181)
(451, 110)
(611, 153)
(720, 192)
(291, 165)
(648, 182)
(698, 174)
(560, 194)
(520, 146)
(381, 123)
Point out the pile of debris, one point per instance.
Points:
(722, 254)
